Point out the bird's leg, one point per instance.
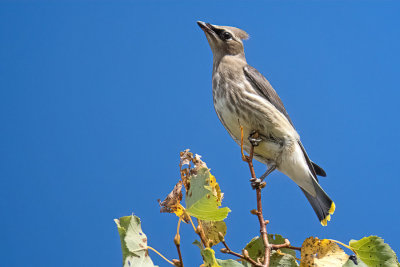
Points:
(259, 182)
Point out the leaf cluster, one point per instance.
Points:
(203, 201)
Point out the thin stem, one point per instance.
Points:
(161, 255)
(194, 227)
(294, 248)
(279, 246)
(177, 241)
(201, 234)
(344, 245)
(284, 245)
(179, 225)
(198, 232)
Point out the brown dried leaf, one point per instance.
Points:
(198, 163)
(186, 157)
(171, 204)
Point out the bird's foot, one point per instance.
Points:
(254, 139)
(257, 183)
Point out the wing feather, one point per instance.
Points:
(265, 89)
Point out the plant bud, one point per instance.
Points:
(176, 263)
(254, 212)
(177, 239)
(224, 250)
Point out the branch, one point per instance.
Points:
(245, 255)
(259, 213)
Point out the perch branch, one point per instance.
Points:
(259, 213)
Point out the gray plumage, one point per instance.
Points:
(244, 97)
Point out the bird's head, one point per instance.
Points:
(224, 40)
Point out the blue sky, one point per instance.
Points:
(98, 98)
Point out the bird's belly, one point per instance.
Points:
(267, 150)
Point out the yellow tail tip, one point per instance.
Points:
(325, 221)
(332, 209)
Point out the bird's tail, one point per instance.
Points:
(321, 203)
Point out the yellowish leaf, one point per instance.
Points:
(212, 229)
(321, 253)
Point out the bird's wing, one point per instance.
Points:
(264, 88)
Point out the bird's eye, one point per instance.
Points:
(226, 36)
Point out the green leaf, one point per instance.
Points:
(197, 243)
(208, 255)
(209, 258)
(351, 263)
(374, 252)
(229, 263)
(278, 260)
(133, 242)
(256, 250)
(201, 201)
(282, 260)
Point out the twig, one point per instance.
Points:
(200, 232)
(294, 248)
(177, 241)
(284, 245)
(243, 257)
(259, 213)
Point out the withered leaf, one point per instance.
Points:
(171, 204)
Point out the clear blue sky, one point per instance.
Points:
(98, 98)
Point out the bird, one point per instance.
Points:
(246, 103)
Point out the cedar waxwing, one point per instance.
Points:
(243, 97)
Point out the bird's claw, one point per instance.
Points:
(254, 141)
(254, 138)
(257, 183)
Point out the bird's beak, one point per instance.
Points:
(206, 27)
